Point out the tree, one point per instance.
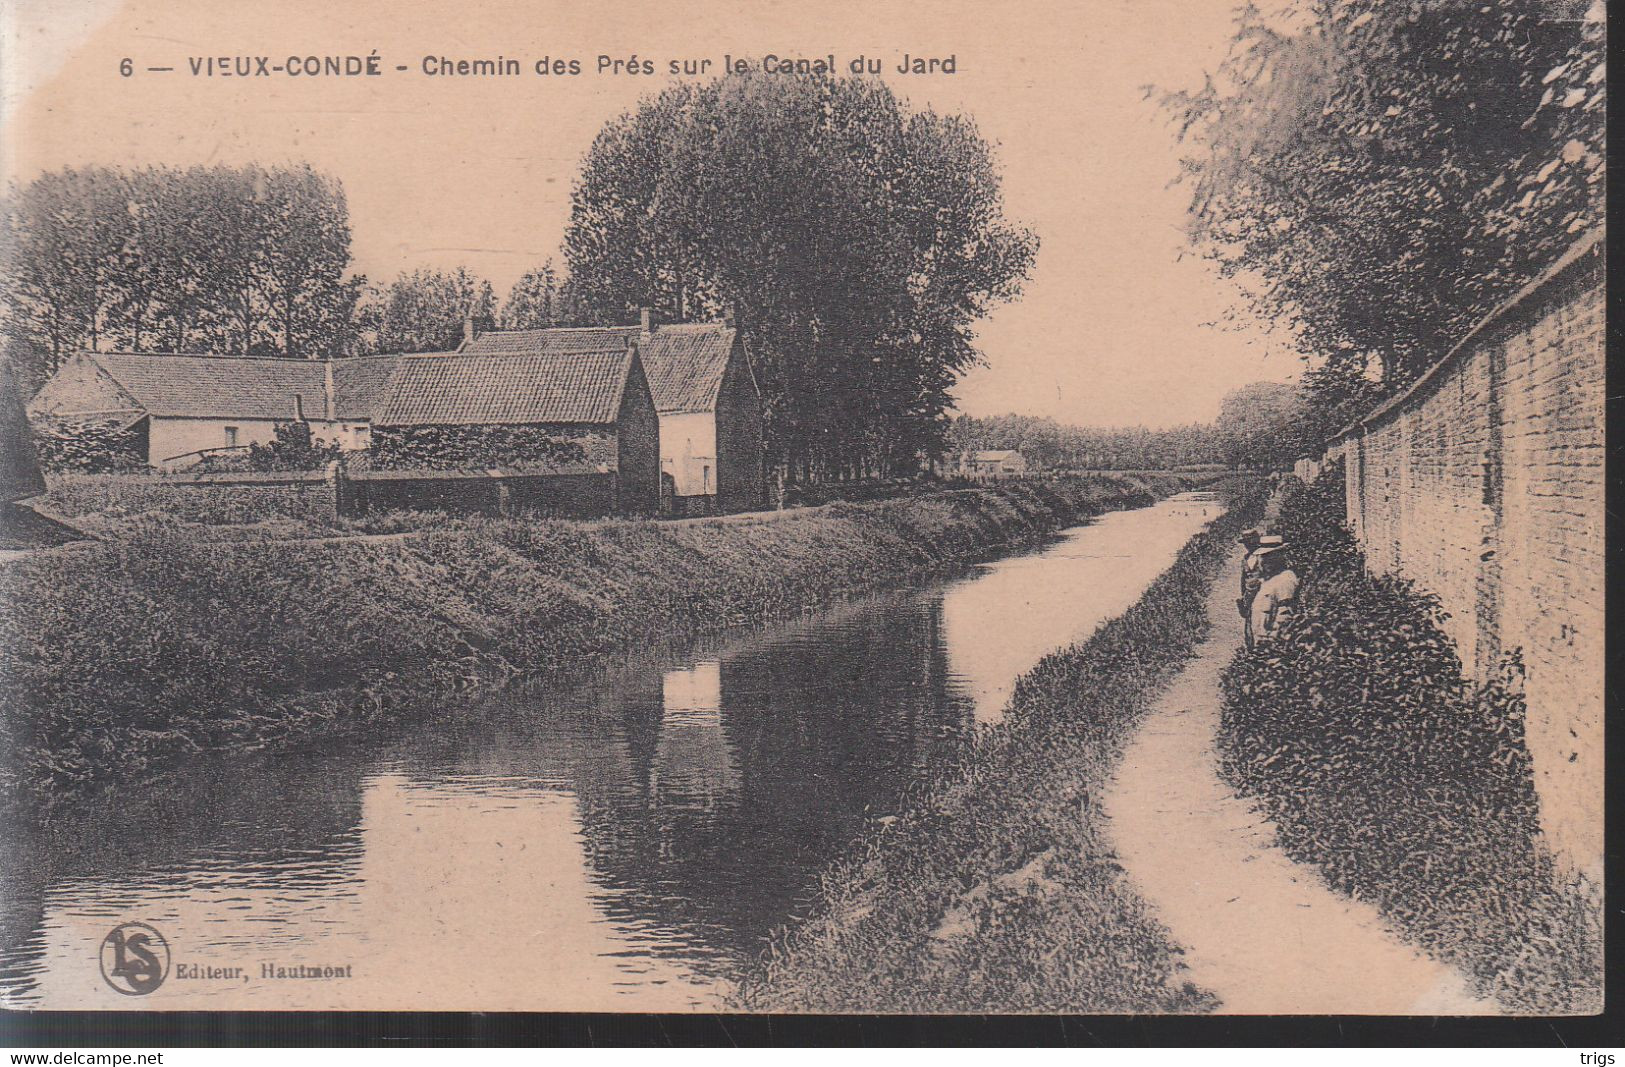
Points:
(1258, 425)
(857, 242)
(310, 304)
(424, 311)
(1048, 444)
(52, 269)
(1380, 175)
(217, 259)
(542, 300)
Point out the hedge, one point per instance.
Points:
(1404, 782)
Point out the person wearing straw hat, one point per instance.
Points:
(1251, 578)
(1277, 592)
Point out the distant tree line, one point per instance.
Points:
(236, 260)
(1258, 426)
(1378, 175)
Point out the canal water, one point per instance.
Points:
(618, 845)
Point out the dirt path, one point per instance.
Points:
(1262, 932)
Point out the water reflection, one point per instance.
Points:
(620, 844)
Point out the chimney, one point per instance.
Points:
(646, 318)
(298, 408)
(468, 328)
(731, 316)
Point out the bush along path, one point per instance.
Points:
(994, 888)
(1405, 784)
(1263, 933)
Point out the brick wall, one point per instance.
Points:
(1484, 484)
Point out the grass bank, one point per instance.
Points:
(118, 659)
(1406, 784)
(995, 888)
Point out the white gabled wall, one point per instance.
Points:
(688, 452)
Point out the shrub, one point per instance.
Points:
(292, 449)
(1407, 784)
(89, 445)
(122, 505)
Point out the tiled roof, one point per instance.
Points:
(361, 385)
(685, 362)
(217, 386)
(560, 339)
(580, 382)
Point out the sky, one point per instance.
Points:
(1115, 326)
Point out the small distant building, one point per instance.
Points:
(994, 463)
(175, 409)
(706, 393)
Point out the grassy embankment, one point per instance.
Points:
(119, 658)
(1408, 785)
(995, 888)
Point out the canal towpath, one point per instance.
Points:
(1262, 932)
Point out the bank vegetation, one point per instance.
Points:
(1405, 783)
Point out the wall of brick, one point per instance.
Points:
(1484, 484)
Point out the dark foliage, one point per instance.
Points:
(453, 447)
(228, 259)
(1406, 784)
(89, 446)
(859, 240)
(425, 311)
(1379, 176)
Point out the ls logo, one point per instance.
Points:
(135, 959)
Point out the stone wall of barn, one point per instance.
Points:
(637, 429)
(1484, 484)
(688, 452)
(741, 475)
(170, 440)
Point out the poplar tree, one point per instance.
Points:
(858, 241)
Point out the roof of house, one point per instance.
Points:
(177, 386)
(581, 381)
(685, 362)
(361, 385)
(996, 456)
(518, 376)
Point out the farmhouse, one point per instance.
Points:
(992, 464)
(706, 394)
(175, 409)
(615, 411)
